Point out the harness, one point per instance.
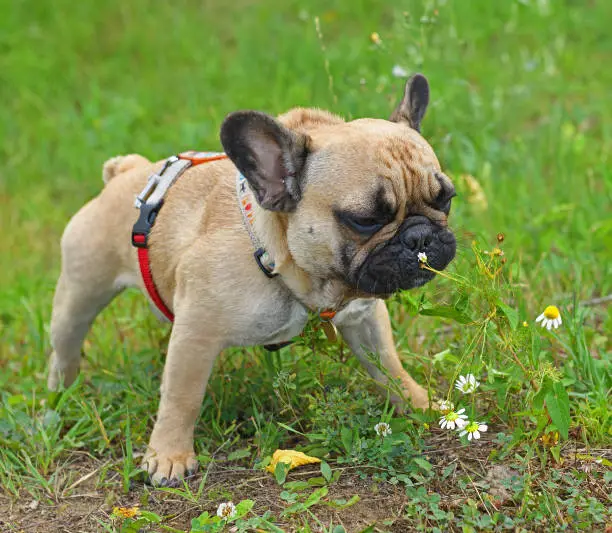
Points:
(150, 201)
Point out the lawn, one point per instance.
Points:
(520, 118)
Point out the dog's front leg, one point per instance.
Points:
(366, 327)
(191, 354)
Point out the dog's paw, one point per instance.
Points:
(168, 469)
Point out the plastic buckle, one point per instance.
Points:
(258, 254)
(142, 228)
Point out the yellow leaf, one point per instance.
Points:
(292, 458)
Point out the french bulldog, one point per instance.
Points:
(344, 209)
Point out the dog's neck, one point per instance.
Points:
(315, 293)
(271, 228)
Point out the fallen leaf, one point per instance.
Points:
(292, 458)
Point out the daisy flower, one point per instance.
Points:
(550, 318)
(453, 419)
(445, 406)
(422, 257)
(473, 430)
(467, 384)
(383, 429)
(226, 510)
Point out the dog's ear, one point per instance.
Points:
(269, 155)
(414, 103)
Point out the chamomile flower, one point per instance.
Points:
(226, 510)
(445, 406)
(422, 257)
(467, 384)
(550, 318)
(383, 429)
(473, 430)
(453, 419)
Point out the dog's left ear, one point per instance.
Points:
(270, 156)
(414, 103)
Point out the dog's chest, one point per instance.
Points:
(272, 322)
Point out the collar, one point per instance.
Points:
(264, 260)
(246, 201)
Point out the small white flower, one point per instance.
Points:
(226, 510)
(467, 384)
(422, 257)
(550, 318)
(399, 72)
(445, 406)
(383, 429)
(473, 430)
(453, 419)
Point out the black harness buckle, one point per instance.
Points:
(146, 219)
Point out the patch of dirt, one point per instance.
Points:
(86, 490)
(84, 507)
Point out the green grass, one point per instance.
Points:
(520, 101)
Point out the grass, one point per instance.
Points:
(519, 106)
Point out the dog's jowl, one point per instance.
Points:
(302, 213)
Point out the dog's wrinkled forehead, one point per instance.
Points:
(374, 151)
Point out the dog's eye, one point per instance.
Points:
(362, 225)
(443, 201)
(446, 194)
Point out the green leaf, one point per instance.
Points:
(425, 465)
(317, 482)
(511, 314)
(243, 508)
(558, 407)
(151, 517)
(346, 435)
(315, 497)
(297, 486)
(326, 471)
(446, 311)
(343, 504)
(449, 470)
(312, 499)
(555, 451)
(280, 472)
(239, 454)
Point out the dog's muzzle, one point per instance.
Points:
(396, 266)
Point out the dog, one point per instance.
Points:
(345, 210)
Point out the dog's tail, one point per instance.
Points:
(121, 163)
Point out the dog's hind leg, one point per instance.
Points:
(87, 284)
(74, 310)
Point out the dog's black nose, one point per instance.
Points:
(416, 233)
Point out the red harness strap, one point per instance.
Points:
(148, 213)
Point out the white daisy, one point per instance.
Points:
(422, 257)
(383, 429)
(550, 318)
(226, 510)
(445, 406)
(473, 430)
(467, 384)
(453, 419)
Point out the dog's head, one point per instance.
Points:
(362, 199)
